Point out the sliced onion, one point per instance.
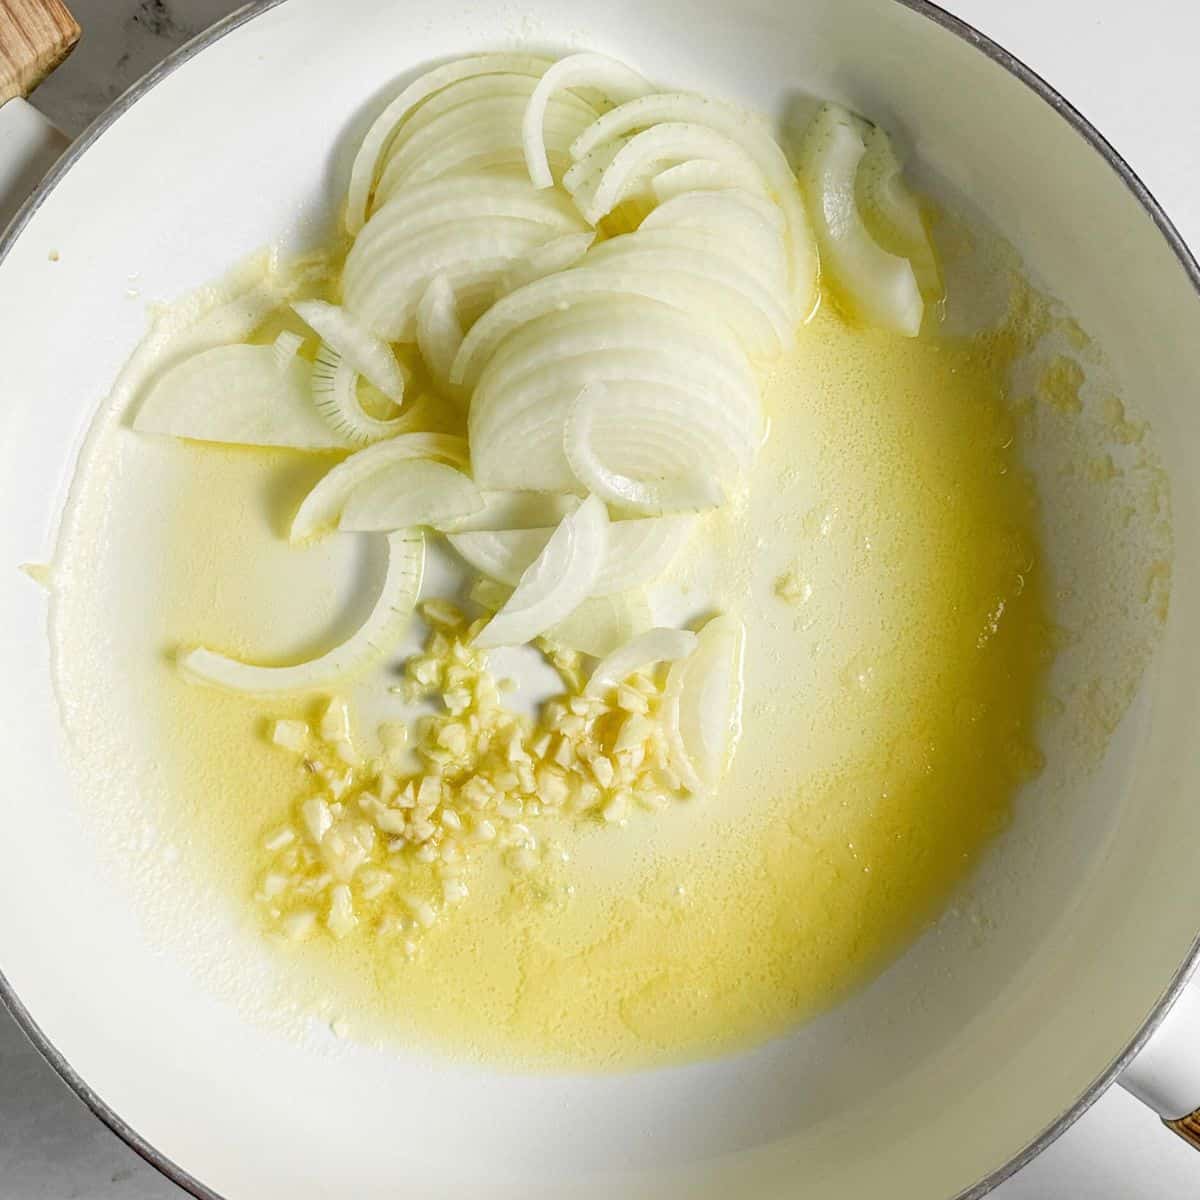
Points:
(439, 331)
(445, 202)
(719, 208)
(322, 507)
(702, 705)
(471, 254)
(893, 214)
(447, 227)
(480, 92)
(503, 555)
(879, 287)
(748, 132)
(378, 634)
(484, 134)
(547, 259)
(751, 292)
(601, 624)
(515, 510)
(717, 252)
(581, 178)
(670, 142)
(383, 129)
(598, 627)
(211, 318)
(653, 646)
(409, 493)
(556, 583)
(370, 357)
(639, 550)
(237, 394)
(696, 288)
(680, 394)
(615, 80)
(702, 174)
(526, 391)
(335, 393)
(641, 495)
(627, 326)
(644, 430)
(286, 346)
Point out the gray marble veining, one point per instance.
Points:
(51, 1147)
(122, 40)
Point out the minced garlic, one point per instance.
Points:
(372, 847)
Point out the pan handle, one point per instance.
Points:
(35, 36)
(1166, 1073)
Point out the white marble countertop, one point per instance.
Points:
(50, 1146)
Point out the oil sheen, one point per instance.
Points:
(886, 564)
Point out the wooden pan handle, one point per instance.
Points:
(1188, 1128)
(35, 36)
(1165, 1075)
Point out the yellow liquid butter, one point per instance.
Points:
(886, 565)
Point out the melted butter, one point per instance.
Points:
(890, 699)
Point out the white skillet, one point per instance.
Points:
(938, 1080)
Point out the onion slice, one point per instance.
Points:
(322, 507)
(240, 395)
(669, 142)
(702, 705)
(408, 493)
(286, 346)
(445, 202)
(556, 583)
(653, 646)
(602, 624)
(701, 174)
(746, 131)
(581, 178)
(503, 555)
(487, 89)
(749, 294)
(598, 627)
(370, 356)
(467, 227)
(439, 331)
(704, 291)
(614, 79)
(713, 208)
(655, 497)
(893, 213)
(548, 259)
(681, 396)
(483, 136)
(515, 511)
(335, 393)
(384, 291)
(639, 551)
(384, 127)
(378, 634)
(879, 287)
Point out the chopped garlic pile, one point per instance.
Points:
(377, 847)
